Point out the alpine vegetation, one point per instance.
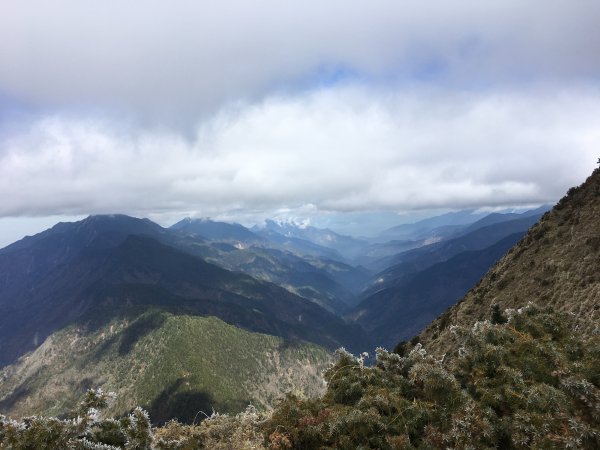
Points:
(528, 381)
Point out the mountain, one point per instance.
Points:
(403, 299)
(331, 284)
(495, 218)
(122, 303)
(557, 265)
(59, 276)
(374, 254)
(72, 236)
(176, 366)
(298, 246)
(515, 364)
(217, 231)
(399, 312)
(512, 365)
(345, 246)
(417, 230)
(422, 257)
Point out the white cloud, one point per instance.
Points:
(293, 107)
(338, 149)
(177, 60)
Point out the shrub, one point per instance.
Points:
(525, 381)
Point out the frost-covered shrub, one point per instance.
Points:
(525, 381)
(85, 429)
(176, 436)
(242, 431)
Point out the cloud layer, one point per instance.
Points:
(186, 58)
(342, 149)
(245, 109)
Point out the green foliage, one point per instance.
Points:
(85, 430)
(175, 366)
(527, 382)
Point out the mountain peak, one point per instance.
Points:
(285, 223)
(114, 218)
(121, 223)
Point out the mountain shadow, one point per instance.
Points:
(187, 406)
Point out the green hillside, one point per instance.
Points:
(173, 365)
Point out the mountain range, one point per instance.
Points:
(84, 297)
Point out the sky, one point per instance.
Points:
(329, 111)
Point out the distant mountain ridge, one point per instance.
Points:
(404, 298)
(399, 312)
(217, 231)
(346, 246)
(451, 219)
(422, 257)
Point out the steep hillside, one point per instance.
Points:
(399, 312)
(556, 264)
(173, 365)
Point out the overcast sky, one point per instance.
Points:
(242, 110)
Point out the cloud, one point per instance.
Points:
(181, 60)
(244, 109)
(343, 148)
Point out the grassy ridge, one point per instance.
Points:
(174, 365)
